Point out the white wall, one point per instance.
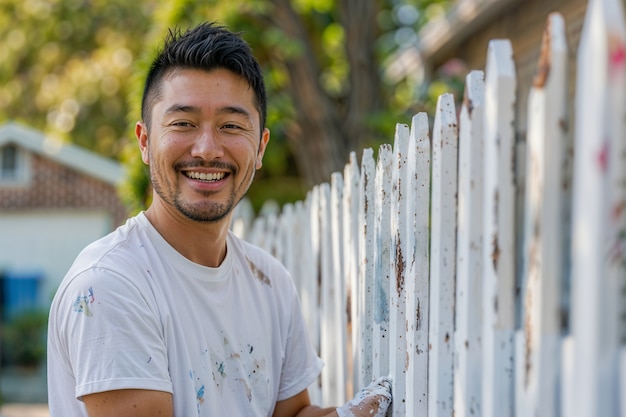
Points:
(48, 242)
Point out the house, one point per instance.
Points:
(466, 30)
(55, 198)
(457, 42)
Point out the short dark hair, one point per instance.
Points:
(207, 46)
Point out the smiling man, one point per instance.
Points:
(171, 314)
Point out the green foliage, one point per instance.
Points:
(450, 79)
(64, 66)
(24, 338)
(75, 69)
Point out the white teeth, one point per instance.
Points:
(206, 176)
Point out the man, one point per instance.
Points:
(171, 314)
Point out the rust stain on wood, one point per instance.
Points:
(418, 317)
(495, 253)
(543, 71)
(399, 267)
(469, 105)
(528, 327)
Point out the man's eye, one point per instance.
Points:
(182, 124)
(230, 126)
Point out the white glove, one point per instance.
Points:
(371, 401)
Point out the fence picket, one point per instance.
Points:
(599, 210)
(467, 339)
(498, 235)
(340, 321)
(367, 266)
(269, 236)
(381, 334)
(544, 229)
(398, 253)
(443, 258)
(350, 238)
(622, 383)
(309, 273)
(243, 218)
(311, 299)
(332, 372)
(418, 271)
(285, 234)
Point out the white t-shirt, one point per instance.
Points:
(133, 313)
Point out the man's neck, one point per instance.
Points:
(202, 243)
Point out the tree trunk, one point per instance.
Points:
(325, 129)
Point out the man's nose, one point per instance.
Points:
(207, 145)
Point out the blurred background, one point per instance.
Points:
(340, 75)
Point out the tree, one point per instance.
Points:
(75, 68)
(65, 65)
(324, 70)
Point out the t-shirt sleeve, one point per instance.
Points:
(110, 330)
(302, 365)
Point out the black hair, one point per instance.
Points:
(206, 47)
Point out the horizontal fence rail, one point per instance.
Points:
(431, 263)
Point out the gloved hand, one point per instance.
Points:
(371, 401)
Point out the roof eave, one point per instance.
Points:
(69, 155)
(441, 35)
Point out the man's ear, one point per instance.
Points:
(141, 131)
(265, 138)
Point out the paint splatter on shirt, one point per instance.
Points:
(81, 304)
(260, 275)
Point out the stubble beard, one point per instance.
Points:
(205, 212)
(201, 212)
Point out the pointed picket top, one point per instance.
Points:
(599, 208)
(467, 339)
(499, 232)
(544, 228)
(417, 283)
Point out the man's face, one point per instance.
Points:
(204, 144)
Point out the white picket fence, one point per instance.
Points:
(488, 278)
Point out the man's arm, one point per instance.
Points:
(129, 403)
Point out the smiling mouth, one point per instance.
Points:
(204, 176)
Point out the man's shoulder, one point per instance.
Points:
(120, 250)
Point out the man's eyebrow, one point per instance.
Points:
(235, 110)
(182, 108)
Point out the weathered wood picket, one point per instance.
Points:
(412, 265)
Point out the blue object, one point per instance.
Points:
(20, 292)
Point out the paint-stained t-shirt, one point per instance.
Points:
(133, 313)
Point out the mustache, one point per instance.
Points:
(205, 164)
